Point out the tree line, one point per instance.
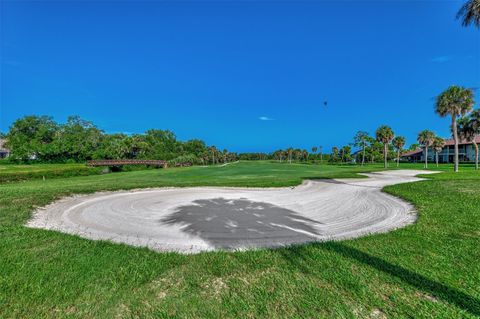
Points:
(41, 139)
(456, 102)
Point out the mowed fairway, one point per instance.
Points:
(429, 269)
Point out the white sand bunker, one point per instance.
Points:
(207, 218)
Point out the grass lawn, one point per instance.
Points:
(429, 269)
(13, 172)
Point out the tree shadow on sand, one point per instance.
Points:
(241, 223)
(300, 257)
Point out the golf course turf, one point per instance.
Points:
(428, 269)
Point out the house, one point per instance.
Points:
(466, 152)
(4, 152)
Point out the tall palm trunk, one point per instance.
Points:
(426, 156)
(398, 157)
(385, 155)
(455, 139)
(436, 158)
(476, 153)
(363, 155)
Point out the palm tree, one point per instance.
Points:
(290, 152)
(426, 138)
(278, 154)
(225, 154)
(346, 152)
(470, 13)
(298, 154)
(314, 151)
(475, 122)
(213, 149)
(384, 135)
(398, 142)
(205, 157)
(361, 141)
(438, 145)
(468, 129)
(335, 153)
(455, 101)
(413, 147)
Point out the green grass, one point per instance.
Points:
(13, 172)
(429, 269)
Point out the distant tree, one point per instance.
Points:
(290, 154)
(298, 154)
(468, 129)
(225, 156)
(414, 147)
(278, 155)
(398, 142)
(314, 151)
(438, 145)
(305, 155)
(112, 146)
(469, 13)
(77, 139)
(384, 135)
(139, 147)
(213, 151)
(31, 137)
(163, 144)
(346, 153)
(455, 101)
(232, 156)
(194, 146)
(372, 149)
(321, 153)
(335, 156)
(252, 156)
(360, 140)
(426, 138)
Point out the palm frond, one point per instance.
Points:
(469, 13)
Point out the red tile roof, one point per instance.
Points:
(410, 153)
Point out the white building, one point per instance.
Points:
(4, 152)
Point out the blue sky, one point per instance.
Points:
(247, 76)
